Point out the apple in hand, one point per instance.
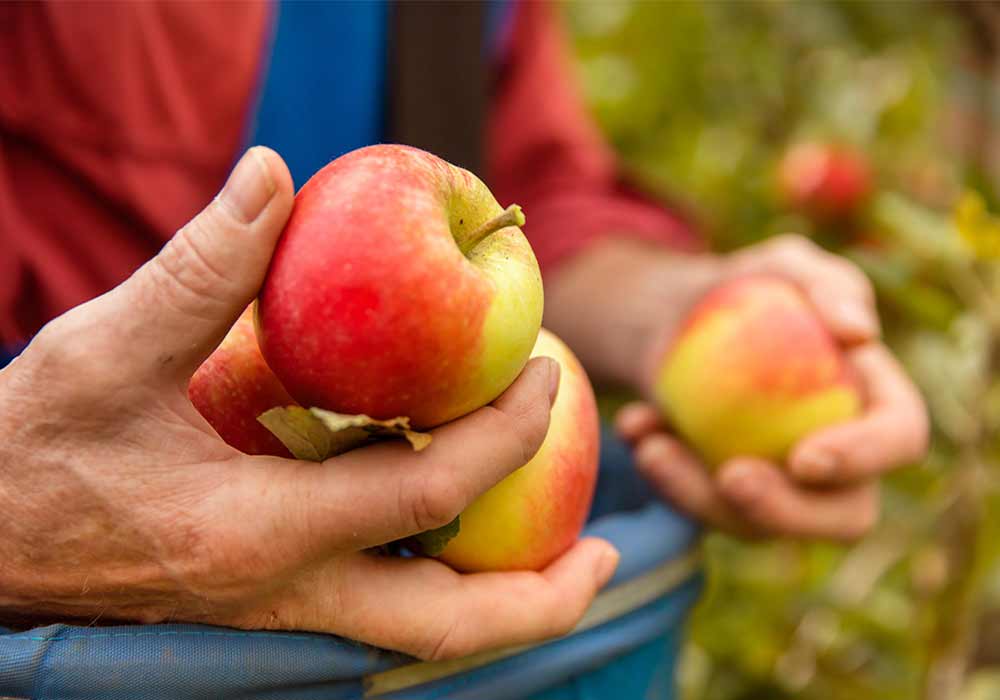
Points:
(537, 513)
(399, 287)
(824, 180)
(753, 370)
(234, 386)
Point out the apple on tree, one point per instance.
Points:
(826, 181)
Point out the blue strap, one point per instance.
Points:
(324, 90)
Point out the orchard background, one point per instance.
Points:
(702, 100)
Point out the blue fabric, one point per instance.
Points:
(6, 356)
(324, 90)
(633, 654)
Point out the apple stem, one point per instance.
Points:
(511, 216)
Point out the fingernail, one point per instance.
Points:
(607, 565)
(249, 187)
(860, 319)
(554, 372)
(814, 464)
(742, 482)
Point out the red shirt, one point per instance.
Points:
(120, 120)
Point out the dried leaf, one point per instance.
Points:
(354, 430)
(315, 435)
(305, 435)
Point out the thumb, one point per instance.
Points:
(183, 301)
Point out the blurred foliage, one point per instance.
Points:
(702, 99)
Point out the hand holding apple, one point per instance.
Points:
(118, 474)
(434, 297)
(638, 295)
(753, 496)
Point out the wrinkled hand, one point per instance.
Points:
(829, 488)
(118, 501)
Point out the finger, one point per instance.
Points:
(681, 478)
(768, 502)
(177, 307)
(837, 289)
(423, 608)
(637, 420)
(386, 492)
(893, 430)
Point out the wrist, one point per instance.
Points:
(618, 303)
(663, 294)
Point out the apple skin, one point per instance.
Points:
(826, 181)
(370, 304)
(537, 513)
(752, 371)
(234, 386)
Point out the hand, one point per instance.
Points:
(118, 501)
(830, 486)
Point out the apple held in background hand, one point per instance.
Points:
(537, 513)
(399, 288)
(753, 370)
(234, 386)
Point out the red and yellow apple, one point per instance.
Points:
(753, 370)
(824, 180)
(234, 386)
(537, 513)
(399, 287)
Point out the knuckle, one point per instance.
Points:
(854, 279)
(435, 502)
(793, 245)
(184, 269)
(525, 423)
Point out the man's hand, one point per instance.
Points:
(829, 488)
(118, 501)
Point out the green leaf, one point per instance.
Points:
(433, 542)
(315, 435)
